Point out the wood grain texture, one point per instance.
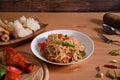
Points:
(88, 23)
(60, 5)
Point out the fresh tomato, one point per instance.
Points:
(2, 72)
(13, 69)
(12, 76)
(67, 60)
(42, 45)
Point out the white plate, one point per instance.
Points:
(87, 41)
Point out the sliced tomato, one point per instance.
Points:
(67, 60)
(12, 76)
(42, 45)
(13, 69)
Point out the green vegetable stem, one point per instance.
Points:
(115, 52)
(110, 75)
(64, 43)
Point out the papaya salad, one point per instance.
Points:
(62, 48)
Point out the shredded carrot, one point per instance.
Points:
(61, 36)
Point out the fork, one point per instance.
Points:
(107, 40)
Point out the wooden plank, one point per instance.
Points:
(60, 5)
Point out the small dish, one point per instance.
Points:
(13, 41)
(84, 39)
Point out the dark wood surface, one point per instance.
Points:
(60, 5)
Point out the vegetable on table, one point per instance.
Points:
(112, 66)
(100, 75)
(115, 52)
(112, 76)
(108, 74)
(113, 61)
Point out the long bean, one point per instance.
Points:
(64, 43)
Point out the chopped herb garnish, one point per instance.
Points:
(55, 42)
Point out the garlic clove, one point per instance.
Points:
(100, 74)
(113, 61)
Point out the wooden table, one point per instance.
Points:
(87, 23)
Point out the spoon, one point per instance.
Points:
(109, 30)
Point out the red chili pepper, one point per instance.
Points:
(111, 66)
